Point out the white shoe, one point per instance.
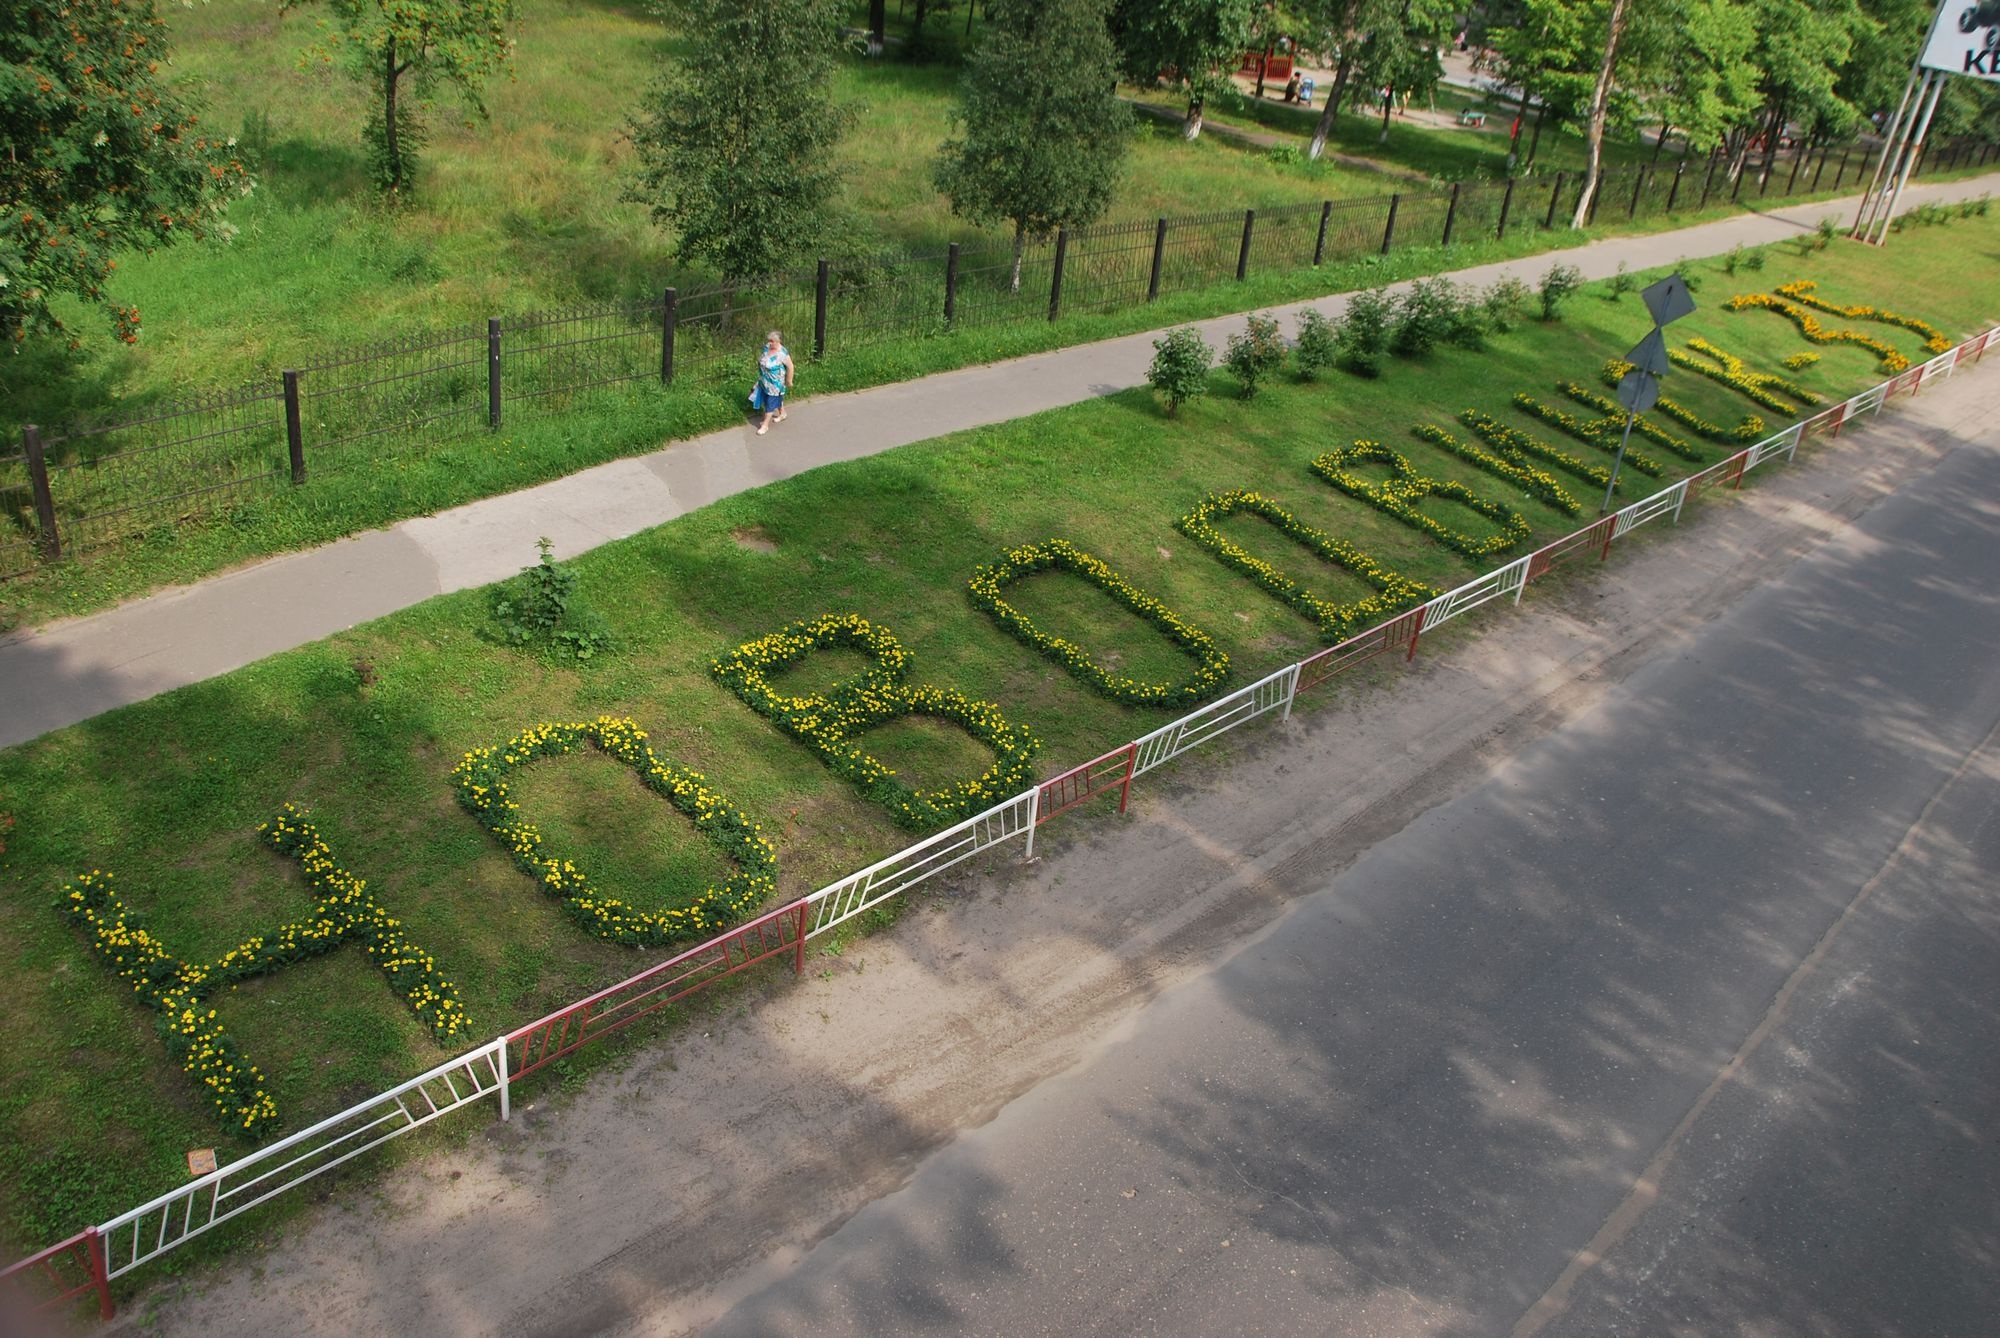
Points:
(762, 428)
(779, 419)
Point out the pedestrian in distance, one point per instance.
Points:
(774, 380)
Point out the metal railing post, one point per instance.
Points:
(799, 939)
(493, 371)
(950, 283)
(670, 319)
(1389, 229)
(45, 498)
(1056, 274)
(1841, 171)
(1674, 191)
(100, 1272)
(1506, 207)
(1159, 254)
(819, 310)
(1319, 242)
(295, 437)
(1638, 189)
(506, 1095)
(1243, 251)
(1792, 181)
(1034, 820)
(1555, 198)
(1450, 215)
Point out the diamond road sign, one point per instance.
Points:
(1650, 354)
(1965, 39)
(1668, 299)
(1638, 391)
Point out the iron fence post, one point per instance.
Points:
(950, 284)
(100, 1272)
(1596, 196)
(1159, 254)
(295, 437)
(1319, 242)
(1638, 189)
(1555, 198)
(1389, 229)
(819, 310)
(1056, 273)
(1819, 170)
(1450, 215)
(493, 371)
(1792, 181)
(1506, 207)
(1674, 191)
(670, 319)
(1841, 171)
(1243, 251)
(1708, 182)
(45, 499)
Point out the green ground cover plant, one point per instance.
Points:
(827, 735)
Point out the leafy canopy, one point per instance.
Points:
(98, 154)
(1041, 130)
(735, 146)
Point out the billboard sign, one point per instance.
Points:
(1965, 39)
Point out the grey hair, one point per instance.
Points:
(775, 335)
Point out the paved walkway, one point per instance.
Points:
(73, 670)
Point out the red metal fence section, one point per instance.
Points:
(58, 1275)
(1544, 560)
(1100, 775)
(1396, 634)
(769, 935)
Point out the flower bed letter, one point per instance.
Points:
(1533, 481)
(481, 780)
(829, 724)
(1603, 433)
(1211, 663)
(1395, 592)
(343, 912)
(1751, 428)
(1399, 496)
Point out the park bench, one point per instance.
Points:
(1475, 119)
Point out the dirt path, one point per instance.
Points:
(659, 1194)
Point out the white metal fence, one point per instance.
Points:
(133, 1238)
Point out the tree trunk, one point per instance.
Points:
(1191, 128)
(1263, 62)
(1020, 246)
(1666, 128)
(391, 149)
(915, 45)
(1535, 140)
(1331, 109)
(1388, 101)
(1600, 101)
(878, 26)
(1514, 140)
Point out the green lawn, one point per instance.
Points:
(364, 728)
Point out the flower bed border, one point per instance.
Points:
(1399, 496)
(480, 781)
(1211, 661)
(1596, 432)
(828, 724)
(1532, 480)
(1395, 592)
(1509, 442)
(1751, 429)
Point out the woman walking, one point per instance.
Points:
(774, 378)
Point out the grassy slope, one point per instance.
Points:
(168, 792)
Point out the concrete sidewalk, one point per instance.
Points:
(73, 670)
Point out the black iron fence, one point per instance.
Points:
(68, 490)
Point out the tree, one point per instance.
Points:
(1594, 117)
(735, 147)
(1335, 27)
(1399, 47)
(1191, 44)
(101, 155)
(1042, 129)
(403, 51)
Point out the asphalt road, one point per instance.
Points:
(1680, 1023)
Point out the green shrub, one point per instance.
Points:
(1686, 270)
(1620, 284)
(539, 609)
(1181, 359)
(1505, 303)
(1557, 287)
(1255, 354)
(1364, 332)
(1425, 318)
(1318, 345)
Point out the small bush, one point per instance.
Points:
(1181, 359)
(1425, 317)
(1825, 234)
(538, 609)
(1753, 260)
(1257, 353)
(1557, 287)
(1620, 284)
(1734, 260)
(1364, 332)
(1688, 274)
(1318, 345)
(1506, 303)
(1286, 155)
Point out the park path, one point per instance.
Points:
(69, 671)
